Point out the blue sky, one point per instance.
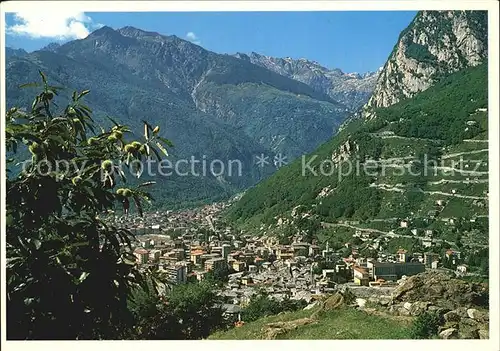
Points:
(353, 41)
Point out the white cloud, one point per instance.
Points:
(62, 24)
(193, 38)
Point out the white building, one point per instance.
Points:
(154, 255)
(462, 269)
(226, 250)
(176, 274)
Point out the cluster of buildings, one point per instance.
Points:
(299, 270)
(186, 246)
(372, 272)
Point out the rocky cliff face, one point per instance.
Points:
(434, 45)
(441, 289)
(350, 89)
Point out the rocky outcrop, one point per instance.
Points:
(461, 306)
(418, 308)
(345, 151)
(441, 290)
(339, 299)
(434, 45)
(350, 89)
(450, 333)
(334, 301)
(273, 330)
(325, 192)
(455, 324)
(465, 327)
(477, 315)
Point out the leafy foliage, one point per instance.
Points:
(69, 273)
(188, 311)
(480, 259)
(318, 269)
(218, 276)
(419, 52)
(262, 305)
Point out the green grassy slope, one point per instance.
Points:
(345, 323)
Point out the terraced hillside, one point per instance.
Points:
(424, 160)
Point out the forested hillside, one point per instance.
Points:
(427, 157)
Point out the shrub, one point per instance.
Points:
(425, 326)
(262, 306)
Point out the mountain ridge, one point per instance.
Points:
(352, 89)
(236, 109)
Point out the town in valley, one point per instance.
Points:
(190, 245)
